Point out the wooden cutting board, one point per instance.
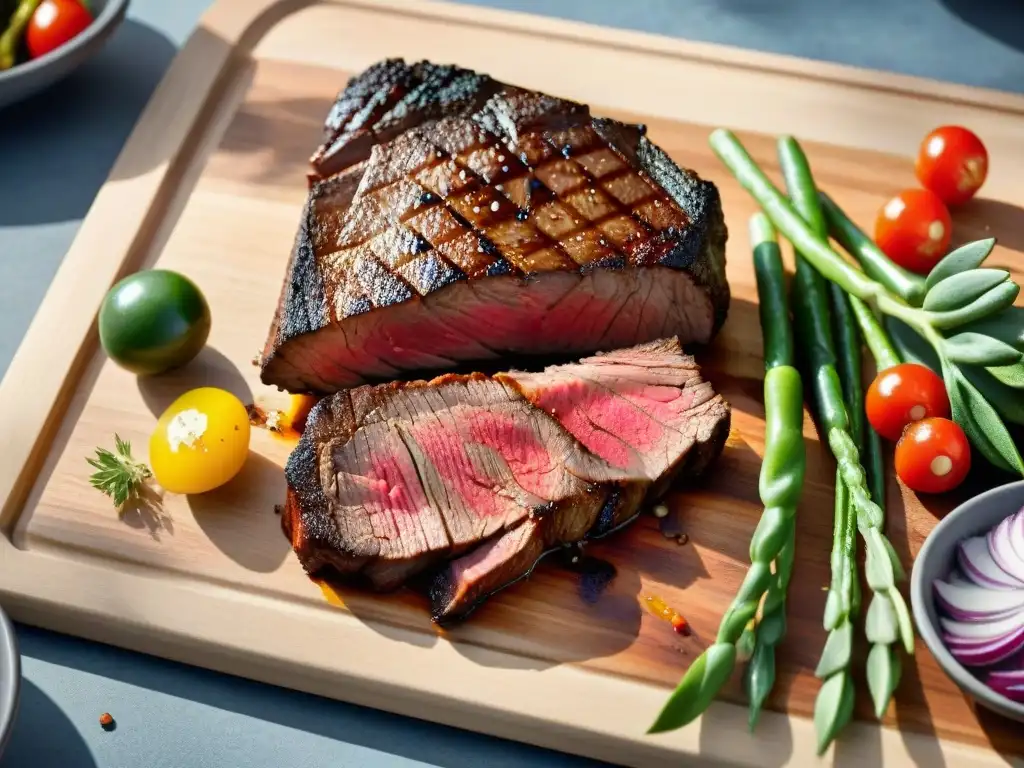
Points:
(211, 183)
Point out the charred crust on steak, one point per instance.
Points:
(432, 179)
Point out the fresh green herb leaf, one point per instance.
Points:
(118, 474)
(1007, 401)
(980, 421)
(1010, 375)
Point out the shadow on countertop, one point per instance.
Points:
(408, 738)
(999, 19)
(44, 735)
(98, 104)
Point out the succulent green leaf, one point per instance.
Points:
(1007, 326)
(883, 673)
(989, 303)
(969, 348)
(897, 565)
(967, 256)
(880, 624)
(878, 564)
(960, 290)
(838, 651)
(832, 708)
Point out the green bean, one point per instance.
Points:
(848, 357)
(11, 36)
(875, 336)
(780, 486)
(907, 285)
(773, 311)
(840, 420)
(886, 356)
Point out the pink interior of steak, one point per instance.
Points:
(636, 410)
(559, 312)
(430, 471)
(491, 472)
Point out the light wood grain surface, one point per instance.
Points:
(211, 184)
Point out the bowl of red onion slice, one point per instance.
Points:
(967, 594)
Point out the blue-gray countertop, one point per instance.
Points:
(55, 152)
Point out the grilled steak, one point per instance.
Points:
(473, 478)
(454, 219)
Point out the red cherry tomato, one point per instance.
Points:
(913, 229)
(953, 163)
(903, 394)
(53, 24)
(933, 456)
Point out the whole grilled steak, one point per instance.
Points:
(454, 219)
(473, 478)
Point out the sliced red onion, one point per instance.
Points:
(1017, 534)
(1009, 683)
(1002, 552)
(1007, 676)
(976, 561)
(957, 579)
(982, 631)
(986, 654)
(973, 643)
(975, 603)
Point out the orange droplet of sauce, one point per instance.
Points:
(330, 594)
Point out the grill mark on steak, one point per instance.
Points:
(481, 475)
(463, 180)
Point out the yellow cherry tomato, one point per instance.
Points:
(200, 442)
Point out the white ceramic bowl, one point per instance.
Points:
(935, 561)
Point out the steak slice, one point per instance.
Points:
(478, 476)
(467, 220)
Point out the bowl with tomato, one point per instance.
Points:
(43, 41)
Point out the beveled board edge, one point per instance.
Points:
(239, 633)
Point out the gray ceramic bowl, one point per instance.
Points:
(935, 561)
(10, 678)
(30, 77)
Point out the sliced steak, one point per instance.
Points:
(467, 219)
(479, 476)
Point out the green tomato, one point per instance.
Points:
(153, 321)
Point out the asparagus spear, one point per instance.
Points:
(887, 615)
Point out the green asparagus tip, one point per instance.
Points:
(761, 230)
